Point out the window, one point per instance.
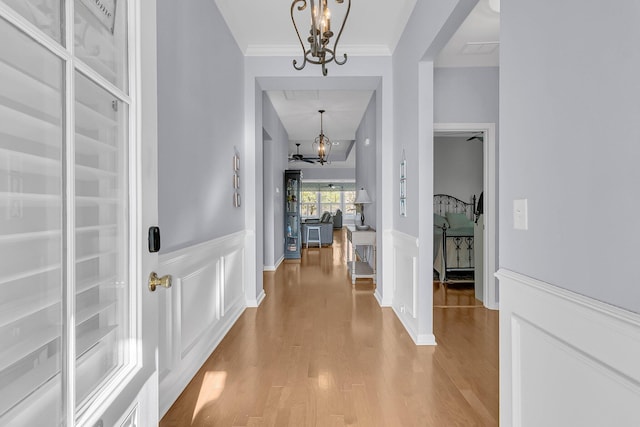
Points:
(330, 201)
(309, 204)
(318, 198)
(64, 209)
(349, 205)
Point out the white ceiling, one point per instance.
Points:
(298, 111)
(373, 28)
(477, 41)
(263, 27)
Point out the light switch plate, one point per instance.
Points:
(520, 220)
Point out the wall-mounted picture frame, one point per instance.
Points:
(236, 200)
(403, 207)
(236, 181)
(236, 163)
(403, 169)
(403, 188)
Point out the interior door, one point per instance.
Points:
(78, 178)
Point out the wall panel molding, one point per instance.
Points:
(205, 301)
(405, 285)
(565, 359)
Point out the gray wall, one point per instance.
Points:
(201, 123)
(326, 173)
(275, 162)
(458, 166)
(429, 27)
(466, 95)
(570, 145)
(366, 161)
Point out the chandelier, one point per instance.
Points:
(320, 51)
(322, 145)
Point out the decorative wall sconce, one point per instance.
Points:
(320, 51)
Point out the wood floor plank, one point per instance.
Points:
(320, 352)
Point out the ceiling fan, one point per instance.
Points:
(479, 136)
(297, 157)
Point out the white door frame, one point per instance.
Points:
(490, 191)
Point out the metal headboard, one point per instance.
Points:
(443, 203)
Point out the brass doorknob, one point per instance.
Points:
(155, 281)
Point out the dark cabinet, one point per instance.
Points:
(292, 238)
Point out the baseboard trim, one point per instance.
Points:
(256, 302)
(273, 267)
(418, 339)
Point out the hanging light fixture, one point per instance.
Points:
(320, 51)
(322, 145)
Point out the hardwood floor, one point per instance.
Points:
(319, 352)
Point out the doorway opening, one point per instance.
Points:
(474, 134)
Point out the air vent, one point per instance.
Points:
(479, 48)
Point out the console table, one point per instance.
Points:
(361, 269)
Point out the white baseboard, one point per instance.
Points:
(383, 302)
(418, 339)
(565, 359)
(273, 267)
(256, 303)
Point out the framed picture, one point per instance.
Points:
(236, 181)
(403, 188)
(236, 200)
(403, 207)
(236, 162)
(403, 169)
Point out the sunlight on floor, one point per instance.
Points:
(212, 387)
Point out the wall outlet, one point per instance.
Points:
(520, 216)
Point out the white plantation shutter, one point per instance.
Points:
(65, 287)
(31, 230)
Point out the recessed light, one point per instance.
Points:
(336, 142)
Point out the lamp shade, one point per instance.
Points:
(362, 196)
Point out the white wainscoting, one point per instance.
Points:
(405, 281)
(206, 299)
(565, 359)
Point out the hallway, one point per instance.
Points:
(319, 352)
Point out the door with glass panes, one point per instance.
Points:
(77, 191)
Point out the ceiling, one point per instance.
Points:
(263, 28)
(298, 111)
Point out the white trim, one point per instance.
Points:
(172, 385)
(405, 248)
(207, 267)
(490, 192)
(256, 303)
(549, 335)
(274, 267)
(418, 339)
(201, 250)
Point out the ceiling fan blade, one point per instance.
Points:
(308, 161)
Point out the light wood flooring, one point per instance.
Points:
(319, 352)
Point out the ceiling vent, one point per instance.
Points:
(479, 48)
